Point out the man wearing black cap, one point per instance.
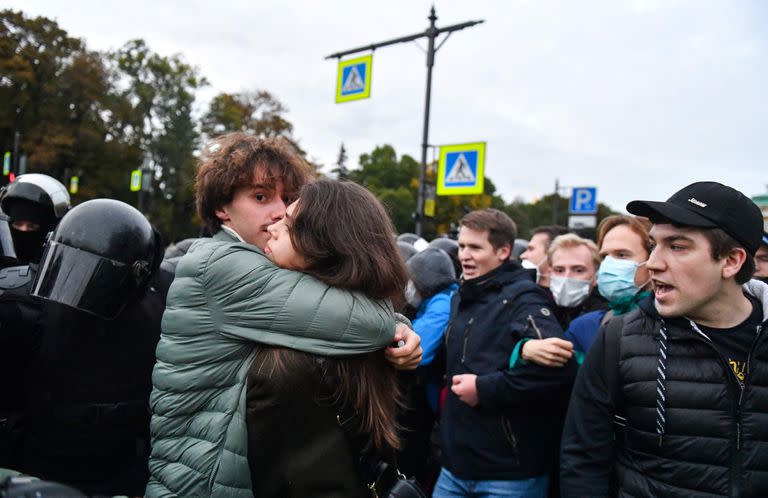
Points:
(672, 399)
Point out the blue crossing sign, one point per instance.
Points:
(460, 169)
(353, 79)
(583, 200)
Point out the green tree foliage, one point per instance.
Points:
(259, 113)
(341, 171)
(161, 92)
(98, 116)
(393, 180)
(531, 215)
(57, 96)
(256, 112)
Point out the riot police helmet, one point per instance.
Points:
(34, 203)
(101, 256)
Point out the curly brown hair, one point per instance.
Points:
(230, 162)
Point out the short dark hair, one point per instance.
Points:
(229, 163)
(551, 231)
(721, 244)
(501, 229)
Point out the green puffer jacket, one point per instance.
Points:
(226, 296)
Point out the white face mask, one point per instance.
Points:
(530, 265)
(569, 292)
(412, 296)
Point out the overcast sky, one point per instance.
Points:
(635, 97)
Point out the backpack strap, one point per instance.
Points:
(607, 317)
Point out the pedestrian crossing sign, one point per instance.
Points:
(135, 180)
(460, 169)
(353, 81)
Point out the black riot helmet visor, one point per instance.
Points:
(100, 258)
(7, 252)
(86, 281)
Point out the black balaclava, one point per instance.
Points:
(29, 245)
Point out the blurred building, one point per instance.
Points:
(762, 202)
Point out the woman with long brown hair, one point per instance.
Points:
(296, 402)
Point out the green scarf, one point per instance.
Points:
(625, 304)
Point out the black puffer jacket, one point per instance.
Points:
(513, 432)
(715, 439)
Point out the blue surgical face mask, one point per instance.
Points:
(616, 278)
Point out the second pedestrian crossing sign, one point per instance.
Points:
(460, 169)
(353, 81)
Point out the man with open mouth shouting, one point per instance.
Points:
(672, 399)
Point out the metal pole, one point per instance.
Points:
(15, 163)
(431, 34)
(555, 201)
(143, 195)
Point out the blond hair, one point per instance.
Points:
(573, 240)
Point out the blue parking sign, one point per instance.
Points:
(584, 200)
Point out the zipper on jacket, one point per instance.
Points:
(535, 327)
(467, 332)
(749, 359)
(744, 386)
(509, 434)
(723, 361)
(736, 465)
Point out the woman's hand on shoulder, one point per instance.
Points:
(407, 356)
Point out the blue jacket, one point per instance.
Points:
(513, 432)
(583, 330)
(430, 323)
(431, 320)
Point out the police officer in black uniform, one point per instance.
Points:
(87, 416)
(32, 206)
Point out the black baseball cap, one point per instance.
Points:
(708, 205)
